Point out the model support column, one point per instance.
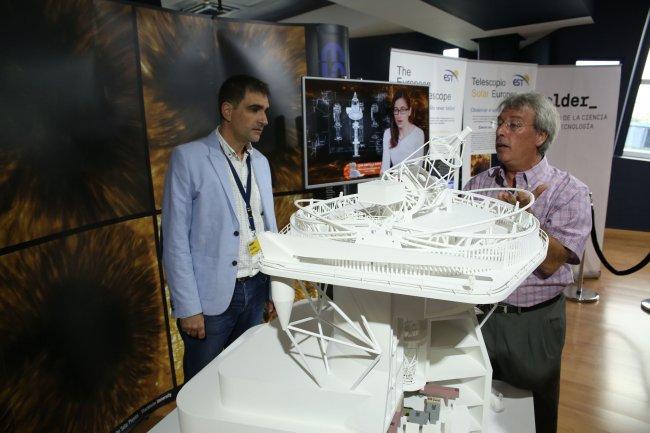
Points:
(282, 294)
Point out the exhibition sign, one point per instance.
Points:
(467, 93)
(487, 84)
(587, 100)
(445, 77)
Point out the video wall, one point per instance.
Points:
(95, 94)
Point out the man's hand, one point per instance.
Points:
(194, 326)
(269, 311)
(556, 256)
(520, 197)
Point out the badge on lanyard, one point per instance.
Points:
(254, 246)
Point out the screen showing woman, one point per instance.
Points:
(403, 138)
(349, 124)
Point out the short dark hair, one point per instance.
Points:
(234, 89)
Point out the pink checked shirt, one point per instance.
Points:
(564, 213)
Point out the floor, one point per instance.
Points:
(606, 360)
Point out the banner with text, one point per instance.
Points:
(587, 99)
(445, 77)
(486, 84)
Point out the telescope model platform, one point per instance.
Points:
(401, 349)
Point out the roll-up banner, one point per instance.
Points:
(486, 84)
(445, 77)
(587, 99)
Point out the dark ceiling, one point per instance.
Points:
(498, 14)
(473, 19)
(282, 12)
(484, 14)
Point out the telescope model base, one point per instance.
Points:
(261, 383)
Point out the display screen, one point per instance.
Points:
(354, 130)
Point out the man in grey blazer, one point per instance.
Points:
(217, 199)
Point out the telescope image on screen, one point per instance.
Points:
(347, 128)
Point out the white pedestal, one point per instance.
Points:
(262, 384)
(517, 417)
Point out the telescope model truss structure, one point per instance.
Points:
(408, 258)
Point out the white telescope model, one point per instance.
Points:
(408, 259)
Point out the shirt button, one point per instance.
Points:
(234, 262)
(236, 233)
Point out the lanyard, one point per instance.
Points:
(246, 194)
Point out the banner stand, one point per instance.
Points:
(645, 305)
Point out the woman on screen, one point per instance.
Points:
(403, 137)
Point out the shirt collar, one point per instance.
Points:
(533, 176)
(538, 173)
(229, 150)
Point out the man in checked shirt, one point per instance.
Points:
(525, 335)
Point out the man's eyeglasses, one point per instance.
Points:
(512, 125)
(401, 110)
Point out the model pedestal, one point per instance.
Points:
(262, 384)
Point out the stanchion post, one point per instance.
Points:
(645, 305)
(575, 292)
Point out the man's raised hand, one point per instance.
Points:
(520, 197)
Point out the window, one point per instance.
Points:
(637, 142)
(597, 63)
(451, 52)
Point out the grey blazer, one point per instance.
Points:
(199, 223)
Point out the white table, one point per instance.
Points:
(518, 416)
